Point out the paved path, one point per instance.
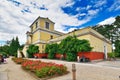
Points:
(85, 71)
(11, 71)
(3, 76)
(115, 64)
(91, 71)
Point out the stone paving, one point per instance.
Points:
(90, 71)
(105, 70)
(12, 71)
(3, 76)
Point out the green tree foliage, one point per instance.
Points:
(111, 32)
(11, 47)
(32, 49)
(69, 46)
(14, 45)
(63, 46)
(17, 43)
(117, 48)
(21, 47)
(117, 22)
(51, 49)
(47, 48)
(4, 50)
(111, 55)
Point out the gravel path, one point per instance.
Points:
(106, 70)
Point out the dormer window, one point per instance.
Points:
(47, 25)
(36, 24)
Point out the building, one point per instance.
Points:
(42, 32)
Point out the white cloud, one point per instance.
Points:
(115, 6)
(100, 3)
(107, 21)
(88, 7)
(93, 12)
(15, 23)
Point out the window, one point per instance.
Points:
(36, 24)
(51, 37)
(46, 25)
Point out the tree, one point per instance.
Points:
(11, 47)
(117, 48)
(71, 45)
(112, 32)
(4, 50)
(47, 48)
(51, 49)
(17, 42)
(32, 49)
(63, 46)
(21, 47)
(14, 45)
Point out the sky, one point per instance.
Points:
(17, 15)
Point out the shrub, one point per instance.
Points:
(71, 56)
(117, 54)
(44, 69)
(51, 49)
(41, 69)
(50, 71)
(71, 45)
(111, 55)
(31, 65)
(32, 49)
(42, 72)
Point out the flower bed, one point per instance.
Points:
(18, 60)
(42, 69)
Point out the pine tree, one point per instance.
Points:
(12, 49)
(14, 45)
(17, 43)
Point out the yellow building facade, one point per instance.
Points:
(42, 32)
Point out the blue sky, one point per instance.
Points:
(17, 15)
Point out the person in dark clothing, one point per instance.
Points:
(2, 60)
